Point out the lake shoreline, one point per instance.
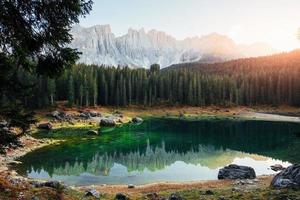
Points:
(183, 113)
(263, 180)
(267, 113)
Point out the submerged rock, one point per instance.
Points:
(45, 126)
(236, 172)
(93, 193)
(107, 122)
(277, 167)
(137, 120)
(92, 132)
(121, 196)
(288, 178)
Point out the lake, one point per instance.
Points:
(161, 150)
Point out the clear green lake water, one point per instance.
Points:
(163, 150)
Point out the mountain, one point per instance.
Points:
(139, 48)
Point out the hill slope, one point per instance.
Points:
(275, 62)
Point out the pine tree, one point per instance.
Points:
(86, 92)
(51, 88)
(95, 91)
(80, 95)
(70, 91)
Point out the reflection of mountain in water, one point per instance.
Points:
(153, 159)
(209, 143)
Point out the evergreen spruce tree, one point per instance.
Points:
(34, 36)
(80, 95)
(71, 92)
(51, 88)
(95, 92)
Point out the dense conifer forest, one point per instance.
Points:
(269, 80)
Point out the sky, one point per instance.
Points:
(272, 21)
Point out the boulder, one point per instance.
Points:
(236, 172)
(63, 114)
(137, 120)
(45, 126)
(51, 184)
(95, 114)
(84, 115)
(60, 115)
(288, 178)
(54, 184)
(92, 193)
(55, 114)
(116, 112)
(175, 197)
(121, 196)
(208, 192)
(92, 132)
(277, 167)
(107, 122)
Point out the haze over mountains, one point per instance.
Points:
(139, 48)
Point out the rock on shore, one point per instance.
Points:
(288, 178)
(45, 126)
(236, 172)
(137, 120)
(107, 122)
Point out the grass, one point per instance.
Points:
(233, 194)
(11, 189)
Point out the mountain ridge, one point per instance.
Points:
(140, 48)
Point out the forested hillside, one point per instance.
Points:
(271, 80)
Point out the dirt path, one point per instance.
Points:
(155, 187)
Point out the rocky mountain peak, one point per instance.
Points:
(138, 48)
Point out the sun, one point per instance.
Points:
(298, 34)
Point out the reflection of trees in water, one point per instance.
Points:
(200, 142)
(152, 159)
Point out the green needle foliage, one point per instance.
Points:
(33, 39)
